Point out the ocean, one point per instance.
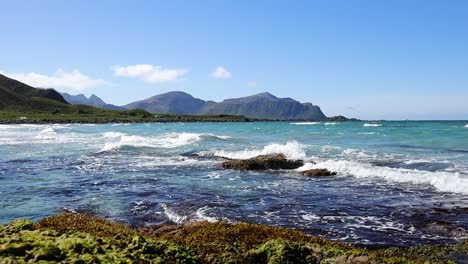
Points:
(397, 182)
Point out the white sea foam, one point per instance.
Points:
(330, 123)
(466, 125)
(171, 140)
(441, 180)
(372, 125)
(367, 133)
(47, 130)
(46, 134)
(201, 215)
(173, 216)
(292, 150)
(305, 123)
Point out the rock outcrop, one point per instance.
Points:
(263, 162)
(318, 173)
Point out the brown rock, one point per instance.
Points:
(263, 162)
(318, 173)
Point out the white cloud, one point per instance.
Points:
(73, 81)
(252, 84)
(149, 73)
(220, 73)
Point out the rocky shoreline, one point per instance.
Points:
(78, 238)
(81, 238)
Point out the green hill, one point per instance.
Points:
(21, 103)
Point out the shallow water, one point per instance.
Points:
(398, 183)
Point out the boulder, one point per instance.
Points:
(263, 162)
(318, 173)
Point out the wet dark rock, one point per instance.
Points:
(444, 227)
(263, 162)
(318, 173)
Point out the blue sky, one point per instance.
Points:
(366, 59)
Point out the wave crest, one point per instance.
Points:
(171, 140)
(292, 150)
(305, 123)
(372, 125)
(441, 180)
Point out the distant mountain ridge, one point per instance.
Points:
(24, 91)
(93, 100)
(258, 106)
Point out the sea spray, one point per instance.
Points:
(441, 180)
(292, 150)
(170, 140)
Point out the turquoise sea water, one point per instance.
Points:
(398, 183)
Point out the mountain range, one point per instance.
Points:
(93, 100)
(17, 96)
(258, 106)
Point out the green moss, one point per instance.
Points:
(75, 238)
(282, 251)
(85, 223)
(22, 246)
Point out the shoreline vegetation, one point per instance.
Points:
(80, 238)
(128, 116)
(110, 116)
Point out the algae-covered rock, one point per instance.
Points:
(280, 251)
(88, 239)
(20, 245)
(263, 162)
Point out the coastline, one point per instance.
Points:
(136, 116)
(77, 237)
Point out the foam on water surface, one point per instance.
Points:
(392, 181)
(371, 125)
(291, 149)
(305, 123)
(440, 180)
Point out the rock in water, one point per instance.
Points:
(318, 172)
(263, 162)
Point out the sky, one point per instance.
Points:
(364, 59)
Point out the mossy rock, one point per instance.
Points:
(74, 238)
(20, 245)
(280, 251)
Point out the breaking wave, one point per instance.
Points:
(200, 215)
(305, 123)
(371, 125)
(292, 150)
(441, 180)
(171, 140)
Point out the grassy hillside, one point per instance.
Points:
(21, 103)
(28, 92)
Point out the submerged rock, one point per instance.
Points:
(263, 162)
(318, 172)
(446, 228)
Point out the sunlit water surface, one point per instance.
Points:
(398, 183)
